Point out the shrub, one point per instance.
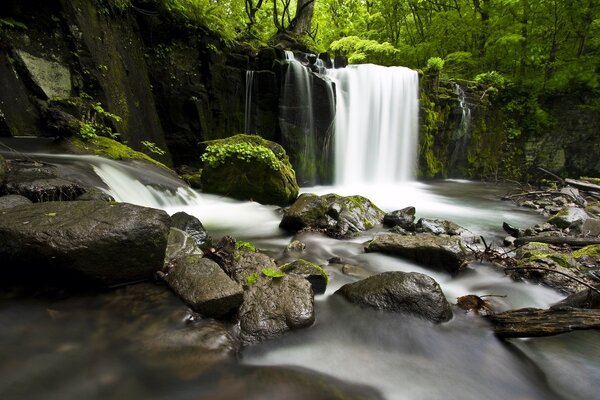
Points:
(435, 64)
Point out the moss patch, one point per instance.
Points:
(109, 148)
(592, 251)
(302, 266)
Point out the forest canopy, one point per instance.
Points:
(543, 44)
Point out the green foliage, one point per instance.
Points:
(492, 78)
(272, 273)
(153, 148)
(435, 65)
(365, 51)
(12, 24)
(245, 246)
(251, 279)
(87, 131)
(218, 154)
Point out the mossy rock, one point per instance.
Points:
(109, 148)
(312, 272)
(338, 216)
(248, 167)
(592, 251)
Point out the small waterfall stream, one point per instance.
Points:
(248, 111)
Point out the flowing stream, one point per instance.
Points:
(401, 356)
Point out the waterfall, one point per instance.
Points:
(306, 97)
(376, 124)
(248, 104)
(465, 120)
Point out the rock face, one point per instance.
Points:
(247, 167)
(313, 273)
(274, 306)
(204, 286)
(435, 251)
(51, 78)
(109, 244)
(396, 291)
(339, 217)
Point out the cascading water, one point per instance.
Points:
(376, 124)
(305, 99)
(248, 104)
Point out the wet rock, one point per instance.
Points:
(509, 241)
(13, 200)
(193, 227)
(339, 217)
(444, 253)
(355, 271)
(251, 262)
(583, 299)
(412, 293)
(571, 218)
(93, 194)
(439, 227)
(204, 286)
(312, 272)
(274, 306)
(512, 231)
(290, 383)
(39, 182)
(248, 167)
(108, 244)
(180, 244)
(590, 227)
(295, 246)
(404, 219)
(3, 168)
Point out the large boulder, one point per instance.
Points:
(248, 167)
(396, 291)
(108, 244)
(446, 253)
(273, 306)
(339, 217)
(204, 286)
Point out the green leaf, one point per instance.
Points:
(272, 273)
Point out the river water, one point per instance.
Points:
(64, 347)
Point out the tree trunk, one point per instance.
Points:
(304, 13)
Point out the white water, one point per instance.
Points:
(248, 103)
(376, 124)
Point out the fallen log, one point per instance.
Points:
(590, 187)
(534, 322)
(557, 240)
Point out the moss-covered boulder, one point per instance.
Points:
(571, 218)
(248, 167)
(338, 216)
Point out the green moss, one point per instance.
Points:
(272, 273)
(245, 246)
(109, 148)
(251, 279)
(590, 251)
(304, 266)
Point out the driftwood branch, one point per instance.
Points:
(555, 240)
(532, 322)
(583, 185)
(552, 174)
